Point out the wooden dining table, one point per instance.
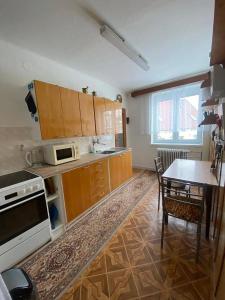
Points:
(196, 172)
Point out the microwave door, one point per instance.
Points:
(64, 154)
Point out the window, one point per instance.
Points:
(175, 116)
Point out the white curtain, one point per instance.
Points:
(205, 94)
(143, 103)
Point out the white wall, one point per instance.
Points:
(140, 140)
(18, 67)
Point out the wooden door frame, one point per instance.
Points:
(124, 122)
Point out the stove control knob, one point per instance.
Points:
(29, 189)
(36, 187)
(23, 191)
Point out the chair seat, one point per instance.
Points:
(184, 209)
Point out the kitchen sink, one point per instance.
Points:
(108, 152)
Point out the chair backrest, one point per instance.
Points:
(183, 204)
(159, 168)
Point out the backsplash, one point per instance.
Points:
(16, 141)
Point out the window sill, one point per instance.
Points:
(180, 145)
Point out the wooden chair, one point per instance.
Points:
(159, 168)
(188, 207)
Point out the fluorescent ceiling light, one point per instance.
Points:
(120, 43)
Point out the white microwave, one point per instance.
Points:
(59, 154)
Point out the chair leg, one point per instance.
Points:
(166, 219)
(162, 234)
(198, 241)
(159, 199)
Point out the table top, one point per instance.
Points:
(193, 171)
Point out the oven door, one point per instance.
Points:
(20, 217)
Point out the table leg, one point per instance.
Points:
(208, 210)
(168, 184)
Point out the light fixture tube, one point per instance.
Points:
(119, 42)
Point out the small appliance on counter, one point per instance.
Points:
(34, 158)
(18, 284)
(61, 153)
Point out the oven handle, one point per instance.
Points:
(17, 204)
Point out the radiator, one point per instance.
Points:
(169, 155)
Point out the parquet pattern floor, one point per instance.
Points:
(133, 266)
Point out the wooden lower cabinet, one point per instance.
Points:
(127, 165)
(120, 167)
(76, 187)
(85, 186)
(115, 168)
(99, 180)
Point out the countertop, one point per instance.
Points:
(85, 159)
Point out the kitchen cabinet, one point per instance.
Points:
(49, 110)
(67, 113)
(70, 112)
(109, 116)
(120, 167)
(127, 166)
(100, 117)
(84, 187)
(76, 187)
(99, 180)
(118, 117)
(87, 114)
(115, 168)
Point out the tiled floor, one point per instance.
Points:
(132, 265)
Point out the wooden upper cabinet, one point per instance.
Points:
(71, 112)
(49, 110)
(87, 114)
(118, 117)
(109, 116)
(100, 120)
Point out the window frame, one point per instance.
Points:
(175, 95)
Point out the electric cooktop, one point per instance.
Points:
(16, 177)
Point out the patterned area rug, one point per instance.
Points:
(55, 266)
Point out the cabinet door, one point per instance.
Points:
(115, 168)
(71, 112)
(127, 165)
(118, 117)
(49, 110)
(99, 107)
(109, 116)
(76, 187)
(99, 180)
(87, 114)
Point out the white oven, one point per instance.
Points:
(24, 220)
(59, 154)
